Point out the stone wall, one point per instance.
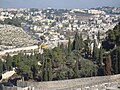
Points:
(8, 88)
(70, 84)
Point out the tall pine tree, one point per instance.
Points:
(8, 62)
(76, 43)
(95, 53)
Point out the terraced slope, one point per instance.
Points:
(15, 36)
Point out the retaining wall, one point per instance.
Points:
(70, 84)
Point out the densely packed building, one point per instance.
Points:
(52, 25)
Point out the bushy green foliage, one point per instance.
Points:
(113, 38)
(64, 62)
(53, 65)
(88, 68)
(112, 44)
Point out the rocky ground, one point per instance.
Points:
(14, 36)
(103, 86)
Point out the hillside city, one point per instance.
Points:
(40, 45)
(53, 25)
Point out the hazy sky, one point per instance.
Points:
(57, 3)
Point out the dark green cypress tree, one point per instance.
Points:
(45, 71)
(119, 59)
(49, 70)
(76, 42)
(101, 56)
(1, 67)
(81, 43)
(9, 62)
(4, 66)
(95, 53)
(69, 50)
(100, 63)
(69, 46)
(77, 64)
(98, 36)
(111, 37)
(76, 69)
(34, 71)
(86, 47)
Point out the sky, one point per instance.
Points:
(59, 4)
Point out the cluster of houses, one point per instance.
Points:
(53, 26)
